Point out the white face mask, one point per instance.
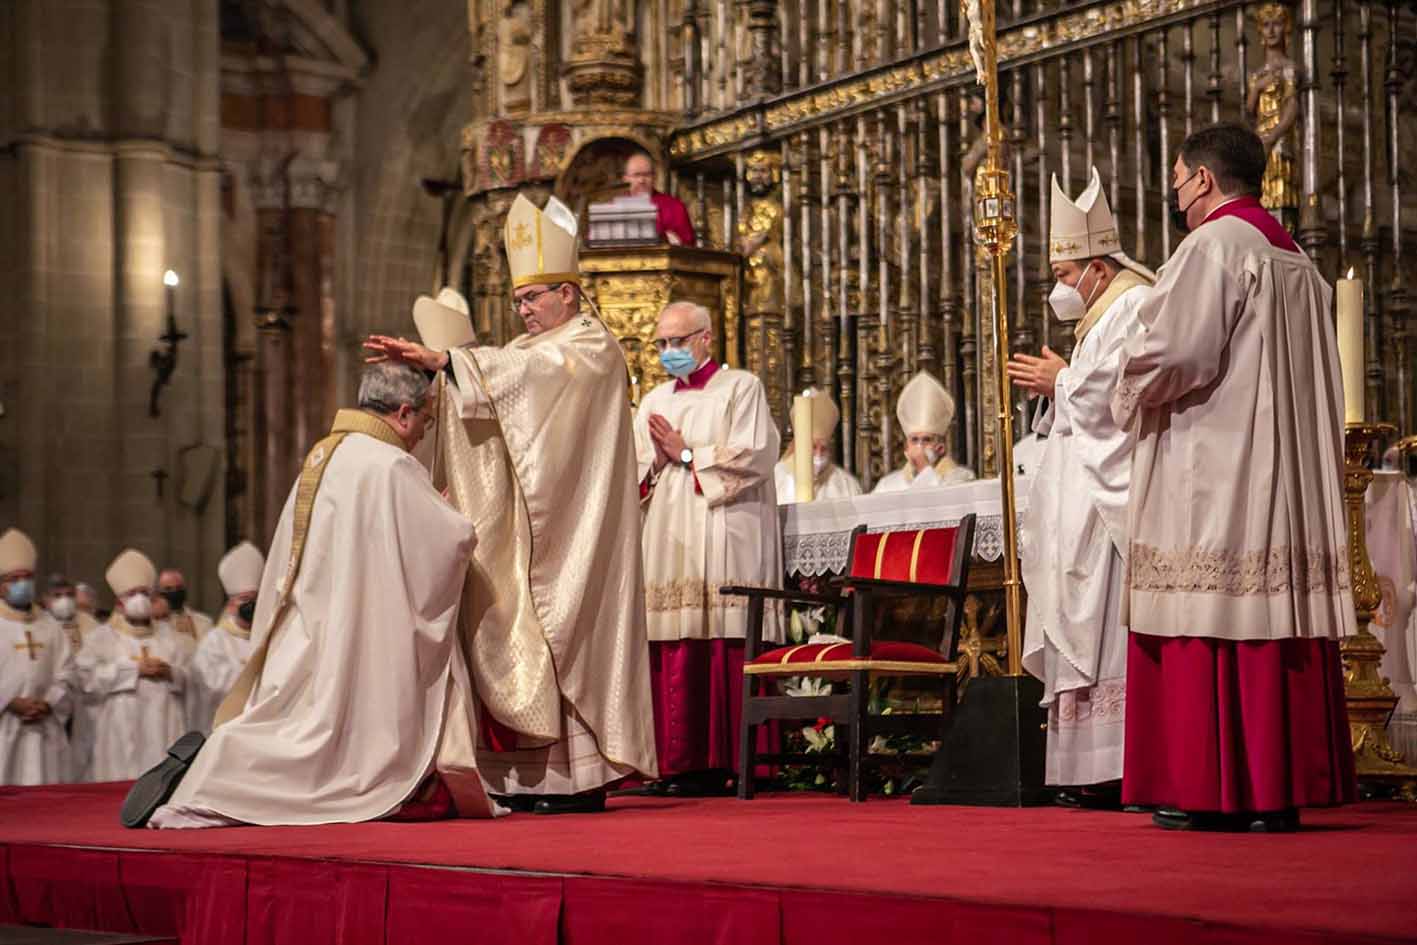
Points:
(138, 607)
(63, 608)
(1067, 302)
(818, 464)
(933, 454)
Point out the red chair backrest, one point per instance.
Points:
(918, 556)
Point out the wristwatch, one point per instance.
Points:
(686, 456)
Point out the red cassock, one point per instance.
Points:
(1236, 726)
(674, 218)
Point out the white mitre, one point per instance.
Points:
(925, 406)
(825, 416)
(1085, 228)
(240, 569)
(445, 322)
(17, 552)
(541, 244)
(130, 571)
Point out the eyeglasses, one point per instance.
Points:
(664, 344)
(531, 298)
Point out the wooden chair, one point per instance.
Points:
(884, 567)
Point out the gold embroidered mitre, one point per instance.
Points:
(824, 416)
(130, 571)
(924, 406)
(1085, 228)
(541, 244)
(17, 552)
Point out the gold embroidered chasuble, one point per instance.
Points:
(1236, 520)
(534, 445)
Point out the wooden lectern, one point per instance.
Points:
(631, 284)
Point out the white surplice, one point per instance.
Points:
(1073, 542)
(945, 472)
(83, 711)
(219, 659)
(1236, 517)
(715, 521)
(36, 662)
(833, 483)
(351, 705)
(135, 718)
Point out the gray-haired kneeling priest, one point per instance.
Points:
(356, 694)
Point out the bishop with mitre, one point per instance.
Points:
(535, 446)
(36, 680)
(829, 481)
(926, 412)
(225, 649)
(1075, 529)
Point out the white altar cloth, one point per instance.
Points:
(816, 536)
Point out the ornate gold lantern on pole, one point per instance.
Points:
(993, 752)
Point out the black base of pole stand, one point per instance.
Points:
(993, 753)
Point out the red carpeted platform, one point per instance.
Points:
(806, 870)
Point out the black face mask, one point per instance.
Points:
(1173, 205)
(246, 612)
(175, 597)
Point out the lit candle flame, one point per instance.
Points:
(1350, 272)
(169, 278)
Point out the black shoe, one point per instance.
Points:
(1284, 821)
(712, 783)
(517, 803)
(1171, 819)
(587, 802)
(157, 784)
(1090, 797)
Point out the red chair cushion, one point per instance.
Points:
(921, 556)
(886, 656)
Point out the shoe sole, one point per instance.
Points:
(159, 782)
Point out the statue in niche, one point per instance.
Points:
(1273, 107)
(514, 56)
(599, 17)
(760, 234)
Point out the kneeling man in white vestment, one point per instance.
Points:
(1075, 534)
(356, 693)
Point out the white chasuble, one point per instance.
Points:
(535, 447)
(1073, 545)
(212, 672)
(1236, 518)
(714, 521)
(355, 690)
(945, 472)
(135, 718)
(36, 662)
(833, 482)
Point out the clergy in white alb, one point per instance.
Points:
(36, 674)
(62, 601)
(355, 701)
(132, 670)
(1238, 582)
(829, 481)
(189, 624)
(1074, 536)
(926, 412)
(706, 444)
(534, 444)
(224, 652)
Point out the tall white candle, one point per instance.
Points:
(802, 447)
(1349, 296)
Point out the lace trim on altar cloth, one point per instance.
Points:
(816, 554)
(690, 594)
(1237, 573)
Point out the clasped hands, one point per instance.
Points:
(1036, 375)
(668, 443)
(29, 710)
(150, 667)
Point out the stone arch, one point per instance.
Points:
(593, 171)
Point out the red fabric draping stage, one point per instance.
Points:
(781, 869)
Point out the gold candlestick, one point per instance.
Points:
(1370, 699)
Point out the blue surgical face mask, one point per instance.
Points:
(678, 361)
(20, 593)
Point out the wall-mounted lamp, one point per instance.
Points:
(163, 361)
